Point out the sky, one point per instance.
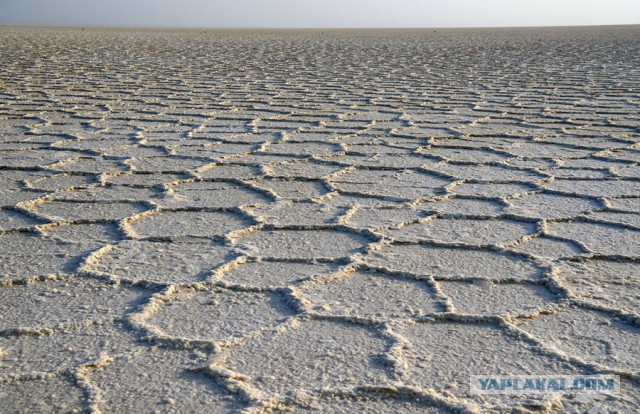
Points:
(319, 13)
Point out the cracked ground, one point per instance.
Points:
(308, 221)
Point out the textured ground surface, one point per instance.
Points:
(316, 221)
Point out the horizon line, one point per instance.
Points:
(144, 27)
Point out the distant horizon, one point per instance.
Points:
(97, 26)
(316, 14)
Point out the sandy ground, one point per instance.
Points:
(353, 221)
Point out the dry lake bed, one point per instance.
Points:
(317, 221)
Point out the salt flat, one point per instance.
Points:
(329, 221)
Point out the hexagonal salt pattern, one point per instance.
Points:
(316, 222)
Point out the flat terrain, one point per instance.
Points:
(317, 221)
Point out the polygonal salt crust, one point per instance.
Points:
(225, 171)
(144, 180)
(294, 189)
(189, 223)
(33, 158)
(304, 169)
(260, 158)
(544, 247)
(454, 263)
(303, 244)
(274, 274)
(30, 354)
(109, 193)
(219, 315)
(629, 172)
(372, 295)
(319, 134)
(344, 127)
(303, 148)
(62, 181)
(576, 173)
(494, 131)
(550, 206)
(375, 149)
(597, 138)
(627, 400)
(52, 395)
(433, 116)
(631, 219)
(604, 282)
(20, 146)
(541, 164)
(168, 164)
(375, 217)
(600, 238)
(69, 211)
(16, 179)
(159, 262)
(11, 198)
(476, 156)
(26, 256)
(314, 354)
(214, 150)
(463, 206)
(108, 143)
(468, 231)
(427, 130)
(338, 404)
(488, 173)
(158, 380)
(59, 113)
(594, 337)
(70, 302)
(592, 162)
(444, 356)
(135, 151)
(349, 201)
(551, 151)
(12, 220)
(283, 125)
(212, 194)
(89, 236)
(95, 165)
(173, 137)
(492, 299)
(596, 188)
(302, 214)
(395, 161)
(11, 180)
(627, 154)
(402, 184)
(626, 204)
(217, 134)
(492, 190)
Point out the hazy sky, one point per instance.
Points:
(320, 13)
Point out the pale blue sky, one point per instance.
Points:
(320, 13)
